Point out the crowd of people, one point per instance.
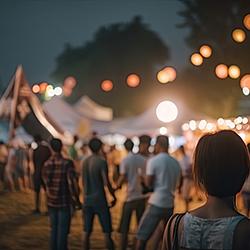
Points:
(80, 177)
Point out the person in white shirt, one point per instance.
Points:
(131, 168)
(163, 173)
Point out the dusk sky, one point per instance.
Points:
(33, 33)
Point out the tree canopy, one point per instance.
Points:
(212, 22)
(116, 51)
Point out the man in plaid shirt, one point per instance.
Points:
(62, 191)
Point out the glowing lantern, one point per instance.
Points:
(196, 59)
(70, 82)
(239, 35)
(245, 81)
(166, 111)
(162, 76)
(205, 51)
(171, 72)
(246, 21)
(133, 80)
(36, 88)
(43, 87)
(107, 85)
(234, 71)
(221, 71)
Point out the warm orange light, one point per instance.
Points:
(196, 59)
(239, 35)
(221, 71)
(133, 80)
(205, 51)
(162, 77)
(107, 85)
(171, 73)
(70, 82)
(234, 71)
(43, 87)
(36, 88)
(246, 21)
(245, 81)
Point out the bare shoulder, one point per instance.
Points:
(241, 235)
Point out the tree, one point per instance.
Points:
(212, 22)
(114, 52)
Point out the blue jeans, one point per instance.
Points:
(60, 219)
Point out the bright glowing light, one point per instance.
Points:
(166, 111)
(35, 88)
(245, 120)
(246, 91)
(245, 81)
(171, 72)
(221, 71)
(58, 91)
(246, 21)
(50, 92)
(239, 119)
(205, 51)
(163, 77)
(220, 121)
(234, 71)
(242, 135)
(239, 127)
(209, 126)
(192, 125)
(43, 87)
(239, 35)
(196, 59)
(107, 85)
(49, 87)
(163, 130)
(133, 80)
(202, 124)
(70, 82)
(230, 124)
(185, 127)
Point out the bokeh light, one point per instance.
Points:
(36, 88)
(205, 51)
(107, 85)
(171, 72)
(246, 91)
(234, 71)
(246, 21)
(70, 82)
(196, 59)
(58, 91)
(166, 111)
(163, 77)
(133, 80)
(43, 87)
(221, 71)
(163, 130)
(239, 35)
(245, 81)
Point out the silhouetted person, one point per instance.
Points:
(221, 165)
(40, 155)
(95, 177)
(61, 184)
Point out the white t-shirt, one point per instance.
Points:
(133, 166)
(166, 171)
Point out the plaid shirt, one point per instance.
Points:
(56, 173)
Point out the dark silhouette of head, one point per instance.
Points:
(144, 144)
(128, 144)
(56, 145)
(221, 163)
(95, 145)
(161, 144)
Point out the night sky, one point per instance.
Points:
(33, 33)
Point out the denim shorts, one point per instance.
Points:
(103, 214)
(150, 220)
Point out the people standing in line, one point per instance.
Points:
(95, 177)
(163, 174)
(186, 174)
(59, 177)
(131, 168)
(40, 155)
(221, 165)
(246, 191)
(3, 162)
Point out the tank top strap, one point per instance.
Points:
(228, 238)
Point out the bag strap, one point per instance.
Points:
(172, 237)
